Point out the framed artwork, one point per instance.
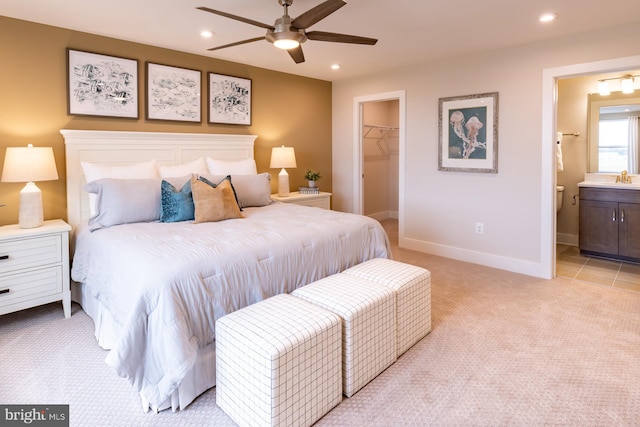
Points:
(229, 100)
(468, 130)
(101, 85)
(173, 93)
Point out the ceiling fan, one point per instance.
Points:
(289, 33)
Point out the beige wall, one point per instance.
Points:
(441, 208)
(287, 109)
(572, 118)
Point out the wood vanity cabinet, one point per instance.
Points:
(610, 222)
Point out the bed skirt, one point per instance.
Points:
(200, 378)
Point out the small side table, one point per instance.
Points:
(34, 266)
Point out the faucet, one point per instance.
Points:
(624, 178)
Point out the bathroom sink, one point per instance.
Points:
(607, 180)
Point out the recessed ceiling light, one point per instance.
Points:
(206, 34)
(335, 66)
(547, 17)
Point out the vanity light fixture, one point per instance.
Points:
(626, 84)
(603, 88)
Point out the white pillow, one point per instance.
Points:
(240, 167)
(251, 190)
(123, 201)
(198, 166)
(95, 171)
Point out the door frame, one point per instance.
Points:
(358, 138)
(549, 129)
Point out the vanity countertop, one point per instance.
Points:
(608, 180)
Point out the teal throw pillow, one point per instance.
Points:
(176, 205)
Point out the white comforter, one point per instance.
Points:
(166, 284)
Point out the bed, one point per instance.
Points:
(154, 290)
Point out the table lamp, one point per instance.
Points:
(29, 164)
(283, 157)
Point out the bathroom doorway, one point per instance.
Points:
(551, 125)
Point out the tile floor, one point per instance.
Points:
(571, 263)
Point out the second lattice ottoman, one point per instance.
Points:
(278, 362)
(369, 326)
(413, 296)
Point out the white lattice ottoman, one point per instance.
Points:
(369, 326)
(413, 296)
(278, 362)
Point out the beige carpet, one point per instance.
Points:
(505, 349)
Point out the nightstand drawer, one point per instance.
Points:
(28, 253)
(30, 285)
(316, 203)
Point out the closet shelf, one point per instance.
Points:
(385, 137)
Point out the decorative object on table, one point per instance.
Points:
(288, 34)
(468, 128)
(309, 190)
(312, 176)
(283, 157)
(173, 93)
(101, 85)
(29, 164)
(229, 100)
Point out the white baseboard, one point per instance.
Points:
(495, 261)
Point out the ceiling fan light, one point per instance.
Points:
(286, 39)
(286, 44)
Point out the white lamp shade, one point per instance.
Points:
(283, 157)
(29, 164)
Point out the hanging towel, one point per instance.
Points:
(559, 165)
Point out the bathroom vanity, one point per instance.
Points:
(610, 219)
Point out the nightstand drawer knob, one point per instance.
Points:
(4, 291)
(4, 257)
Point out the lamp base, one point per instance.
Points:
(30, 214)
(283, 183)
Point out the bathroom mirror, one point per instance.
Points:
(609, 123)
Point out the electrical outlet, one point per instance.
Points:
(479, 228)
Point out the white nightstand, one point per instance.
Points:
(321, 200)
(34, 266)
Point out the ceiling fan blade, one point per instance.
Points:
(237, 18)
(296, 54)
(323, 36)
(237, 43)
(317, 13)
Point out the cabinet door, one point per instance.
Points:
(599, 226)
(629, 236)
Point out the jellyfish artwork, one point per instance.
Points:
(469, 138)
(473, 126)
(457, 122)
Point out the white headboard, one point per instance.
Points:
(122, 148)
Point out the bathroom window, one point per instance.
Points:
(613, 152)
